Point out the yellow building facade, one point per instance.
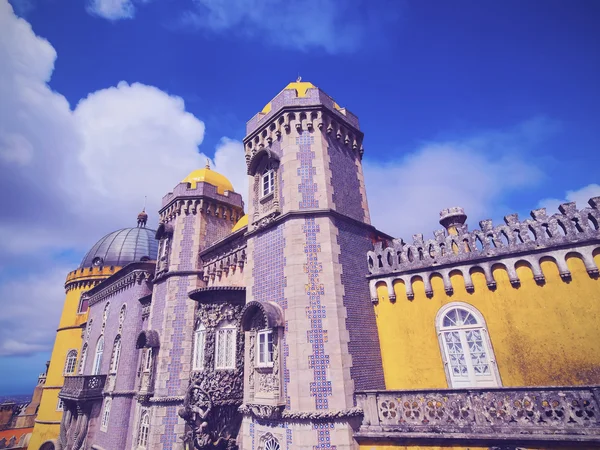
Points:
(489, 336)
(68, 339)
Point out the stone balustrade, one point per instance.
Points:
(566, 414)
(83, 387)
(570, 226)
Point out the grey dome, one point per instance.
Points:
(122, 247)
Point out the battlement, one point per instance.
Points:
(201, 198)
(542, 232)
(90, 273)
(289, 97)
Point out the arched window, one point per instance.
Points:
(466, 347)
(82, 359)
(98, 356)
(142, 440)
(70, 362)
(225, 346)
(105, 414)
(199, 342)
(267, 181)
(116, 353)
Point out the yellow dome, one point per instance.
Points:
(211, 177)
(243, 222)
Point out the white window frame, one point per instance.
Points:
(471, 380)
(199, 346)
(162, 248)
(106, 413)
(83, 358)
(264, 356)
(148, 359)
(144, 430)
(70, 362)
(60, 405)
(115, 355)
(267, 182)
(225, 351)
(98, 356)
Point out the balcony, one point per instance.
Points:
(83, 387)
(482, 416)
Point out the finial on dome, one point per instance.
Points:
(207, 164)
(142, 217)
(299, 79)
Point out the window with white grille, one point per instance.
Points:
(466, 347)
(70, 362)
(267, 182)
(225, 347)
(142, 440)
(148, 360)
(265, 348)
(105, 414)
(98, 356)
(199, 344)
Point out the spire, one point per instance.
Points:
(142, 217)
(207, 164)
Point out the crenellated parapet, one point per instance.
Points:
(224, 259)
(571, 226)
(571, 231)
(290, 97)
(202, 198)
(306, 119)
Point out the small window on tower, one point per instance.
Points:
(265, 348)
(83, 304)
(268, 182)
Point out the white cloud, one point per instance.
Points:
(580, 197)
(31, 311)
(112, 9)
(71, 176)
(406, 195)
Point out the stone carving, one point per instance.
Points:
(500, 411)
(213, 397)
(541, 232)
(271, 412)
(265, 221)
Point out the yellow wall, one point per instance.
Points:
(68, 337)
(541, 335)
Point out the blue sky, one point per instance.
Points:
(493, 106)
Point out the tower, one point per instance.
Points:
(201, 210)
(311, 337)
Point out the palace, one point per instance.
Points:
(298, 325)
